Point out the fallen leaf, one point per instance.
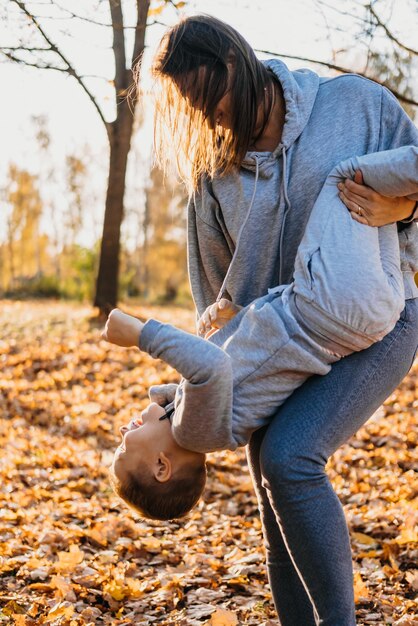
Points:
(67, 561)
(361, 591)
(222, 617)
(62, 610)
(412, 578)
(364, 539)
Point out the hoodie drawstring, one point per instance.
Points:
(286, 211)
(283, 192)
(223, 286)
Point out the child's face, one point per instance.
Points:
(143, 439)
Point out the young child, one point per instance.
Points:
(347, 294)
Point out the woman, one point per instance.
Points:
(255, 142)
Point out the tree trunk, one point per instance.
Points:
(145, 262)
(107, 279)
(120, 132)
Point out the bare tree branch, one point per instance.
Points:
(377, 22)
(141, 25)
(71, 14)
(389, 33)
(339, 68)
(335, 9)
(25, 49)
(118, 48)
(69, 68)
(40, 65)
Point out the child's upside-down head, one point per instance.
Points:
(152, 473)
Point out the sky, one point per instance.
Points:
(295, 27)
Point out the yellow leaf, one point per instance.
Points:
(151, 544)
(361, 592)
(116, 589)
(135, 587)
(408, 535)
(364, 539)
(63, 586)
(406, 620)
(62, 609)
(68, 560)
(222, 617)
(370, 554)
(156, 10)
(12, 608)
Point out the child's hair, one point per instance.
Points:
(161, 500)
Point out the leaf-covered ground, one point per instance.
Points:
(72, 554)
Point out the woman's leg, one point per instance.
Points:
(309, 427)
(290, 597)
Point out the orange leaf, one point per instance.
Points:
(364, 539)
(116, 589)
(60, 610)
(222, 617)
(68, 560)
(361, 591)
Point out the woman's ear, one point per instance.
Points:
(162, 468)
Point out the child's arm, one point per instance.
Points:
(203, 416)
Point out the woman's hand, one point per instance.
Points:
(216, 316)
(122, 329)
(369, 207)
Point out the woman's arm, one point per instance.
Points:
(396, 130)
(209, 252)
(391, 193)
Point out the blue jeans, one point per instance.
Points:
(306, 536)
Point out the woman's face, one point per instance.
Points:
(222, 115)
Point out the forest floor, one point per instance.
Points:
(72, 554)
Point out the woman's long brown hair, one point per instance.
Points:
(192, 75)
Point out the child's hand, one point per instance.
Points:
(122, 329)
(217, 315)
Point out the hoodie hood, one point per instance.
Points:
(300, 89)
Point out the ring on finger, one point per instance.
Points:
(359, 210)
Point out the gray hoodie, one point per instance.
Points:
(244, 229)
